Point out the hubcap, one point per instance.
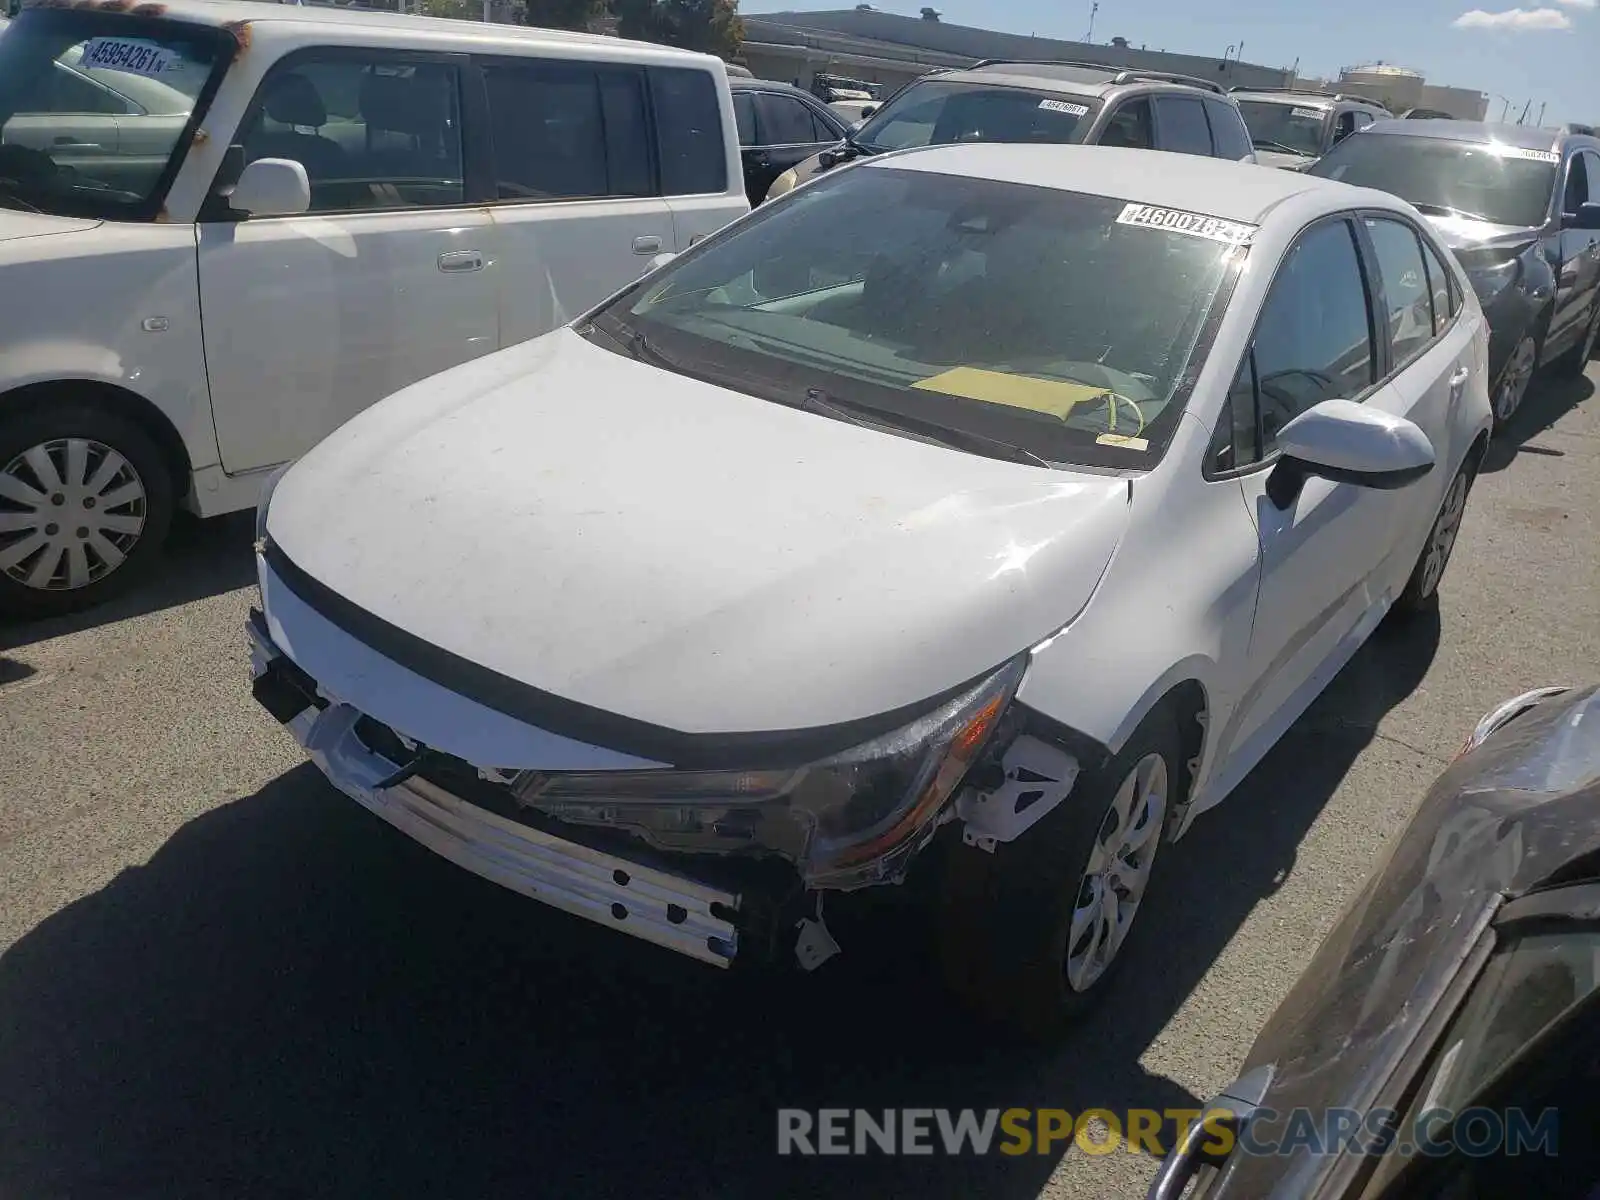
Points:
(1114, 882)
(1443, 539)
(1514, 383)
(70, 513)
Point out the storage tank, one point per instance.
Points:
(1396, 88)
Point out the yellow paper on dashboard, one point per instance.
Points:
(1050, 396)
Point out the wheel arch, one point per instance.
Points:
(115, 399)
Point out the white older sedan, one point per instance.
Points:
(1006, 500)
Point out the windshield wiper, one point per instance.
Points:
(818, 401)
(1447, 211)
(1269, 144)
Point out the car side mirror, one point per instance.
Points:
(271, 187)
(1587, 217)
(1346, 442)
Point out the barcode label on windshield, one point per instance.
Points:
(129, 55)
(1064, 106)
(1313, 113)
(1175, 220)
(1531, 155)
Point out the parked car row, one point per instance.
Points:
(327, 206)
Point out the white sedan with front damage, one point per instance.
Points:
(980, 514)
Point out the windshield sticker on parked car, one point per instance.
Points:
(1124, 440)
(1054, 397)
(1175, 220)
(1064, 106)
(1545, 156)
(1313, 113)
(129, 55)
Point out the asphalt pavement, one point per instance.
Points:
(219, 977)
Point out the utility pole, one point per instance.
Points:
(1093, 9)
(1540, 121)
(1523, 115)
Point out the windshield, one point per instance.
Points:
(1057, 323)
(1503, 185)
(94, 106)
(937, 114)
(1284, 128)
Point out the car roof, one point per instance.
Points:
(1298, 99)
(740, 84)
(1216, 187)
(1524, 137)
(1077, 79)
(233, 14)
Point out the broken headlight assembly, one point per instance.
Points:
(849, 820)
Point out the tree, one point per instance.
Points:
(709, 25)
(562, 14)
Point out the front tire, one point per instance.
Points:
(1515, 377)
(86, 499)
(1575, 361)
(1032, 934)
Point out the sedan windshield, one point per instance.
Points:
(95, 107)
(937, 114)
(1284, 128)
(1020, 321)
(1504, 185)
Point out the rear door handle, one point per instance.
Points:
(647, 243)
(454, 261)
(1459, 379)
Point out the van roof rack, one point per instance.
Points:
(1117, 74)
(1309, 94)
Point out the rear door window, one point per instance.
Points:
(1405, 287)
(744, 116)
(688, 126)
(1181, 125)
(1442, 287)
(1228, 133)
(567, 131)
(782, 120)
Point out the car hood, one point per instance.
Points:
(612, 534)
(1465, 233)
(1289, 162)
(14, 224)
(1499, 822)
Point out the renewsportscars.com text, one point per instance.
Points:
(1018, 1131)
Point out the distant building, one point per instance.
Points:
(890, 49)
(1400, 89)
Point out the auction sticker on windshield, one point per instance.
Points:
(129, 55)
(1064, 106)
(1313, 113)
(1175, 220)
(1544, 156)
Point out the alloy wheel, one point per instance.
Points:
(71, 511)
(1514, 379)
(1443, 538)
(1114, 882)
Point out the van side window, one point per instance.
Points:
(1228, 130)
(372, 132)
(566, 131)
(688, 122)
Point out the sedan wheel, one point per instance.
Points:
(1577, 360)
(1113, 883)
(1514, 380)
(75, 509)
(1443, 538)
(85, 500)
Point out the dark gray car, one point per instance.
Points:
(1445, 1040)
(1521, 209)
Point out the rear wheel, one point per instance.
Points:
(1033, 933)
(1421, 592)
(85, 501)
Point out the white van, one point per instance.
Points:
(226, 228)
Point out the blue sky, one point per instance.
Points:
(1546, 50)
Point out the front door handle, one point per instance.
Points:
(647, 243)
(1459, 380)
(455, 261)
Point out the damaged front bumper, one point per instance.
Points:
(663, 907)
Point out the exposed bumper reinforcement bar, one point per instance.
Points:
(667, 909)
